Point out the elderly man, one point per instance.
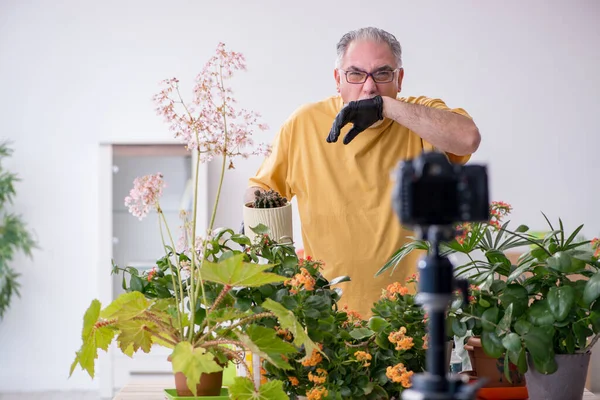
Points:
(344, 190)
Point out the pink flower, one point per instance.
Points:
(145, 194)
(211, 124)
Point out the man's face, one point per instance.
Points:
(368, 56)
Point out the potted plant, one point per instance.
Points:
(186, 302)
(485, 246)
(271, 209)
(366, 359)
(14, 235)
(548, 315)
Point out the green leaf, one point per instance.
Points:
(241, 239)
(522, 327)
(539, 344)
(497, 257)
(288, 321)
(136, 283)
(522, 229)
(90, 318)
(520, 270)
(193, 362)
(539, 313)
(361, 333)
(560, 261)
(512, 344)
(234, 271)
(522, 363)
(339, 279)
(489, 319)
(133, 333)
(260, 229)
(504, 324)
(377, 324)
(492, 345)
(592, 289)
(243, 389)
(507, 367)
(265, 342)
(126, 306)
(459, 328)
(560, 301)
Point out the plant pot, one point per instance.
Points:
(209, 385)
(568, 382)
(278, 220)
(484, 366)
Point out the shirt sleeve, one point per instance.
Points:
(273, 172)
(440, 105)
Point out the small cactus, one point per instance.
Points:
(268, 199)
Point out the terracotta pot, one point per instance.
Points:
(279, 221)
(568, 382)
(484, 366)
(209, 385)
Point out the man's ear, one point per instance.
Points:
(400, 77)
(336, 76)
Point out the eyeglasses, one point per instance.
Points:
(357, 77)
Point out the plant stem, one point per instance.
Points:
(589, 346)
(162, 238)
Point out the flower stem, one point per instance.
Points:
(179, 300)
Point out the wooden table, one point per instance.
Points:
(154, 391)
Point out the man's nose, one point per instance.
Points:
(370, 86)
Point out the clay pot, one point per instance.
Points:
(484, 366)
(210, 385)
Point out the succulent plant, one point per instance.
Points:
(268, 199)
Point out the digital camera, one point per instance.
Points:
(429, 190)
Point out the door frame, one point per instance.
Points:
(105, 365)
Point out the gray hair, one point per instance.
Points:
(370, 33)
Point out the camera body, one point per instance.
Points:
(431, 191)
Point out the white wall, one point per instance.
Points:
(75, 73)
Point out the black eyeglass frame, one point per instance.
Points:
(370, 74)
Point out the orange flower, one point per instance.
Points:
(301, 280)
(319, 378)
(400, 339)
(393, 289)
(596, 246)
(314, 359)
(293, 380)
(399, 374)
(317, 393)
(363, 357)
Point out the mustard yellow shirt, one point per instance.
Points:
(344, 194)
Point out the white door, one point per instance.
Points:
(138, 243)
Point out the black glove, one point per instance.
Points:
(362, 113)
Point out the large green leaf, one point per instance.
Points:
(361, 333)
(560, 261)
(377, 324)
(539, 344)
(489, 319)
(126, 306)
(243, 389)
(492, 345)
(560, 301)
(133, 332)
(234, 271)
(93, 338)
(265, 342)
(512, 344)
(516, 295)
(193, 362)
(592, 289)
(287, 320)
(539, 313)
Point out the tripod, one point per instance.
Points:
(436, 284)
